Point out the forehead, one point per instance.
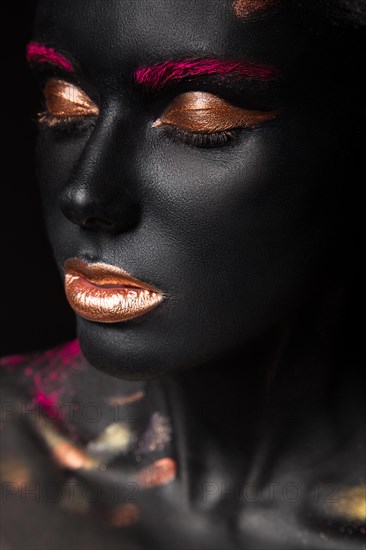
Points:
(119, 34)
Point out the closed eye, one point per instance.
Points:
(208, 113)
(65, 103)
(208, 119)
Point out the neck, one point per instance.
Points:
(229, 394)
(283, 374)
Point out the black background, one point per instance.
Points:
(35, 314)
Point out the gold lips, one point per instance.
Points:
(105, 293)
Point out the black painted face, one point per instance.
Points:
(232, 233)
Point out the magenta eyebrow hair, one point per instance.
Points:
(160, 75)
(40, 53)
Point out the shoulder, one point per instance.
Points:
(36, 371)
(66, 353)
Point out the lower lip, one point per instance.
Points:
(108, 303)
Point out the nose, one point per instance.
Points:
(103, 211)
(99, 195)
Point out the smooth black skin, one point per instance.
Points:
(232, 235)
(244, 240)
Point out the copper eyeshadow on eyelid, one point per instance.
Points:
(65, 100)
(202, 112)
(247, 9)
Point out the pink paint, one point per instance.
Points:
(47, 404)
(50, 374)
(46, 375)
(69, 351)
(159, 75)
(40, 53)
(47, 378)
(66, 354)
(50, 380)
(11, 361)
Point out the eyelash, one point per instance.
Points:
(46, 120)
(202, 140)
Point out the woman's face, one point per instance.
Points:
(210, 181)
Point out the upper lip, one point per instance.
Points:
(102, 274)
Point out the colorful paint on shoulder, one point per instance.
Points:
(44, 374)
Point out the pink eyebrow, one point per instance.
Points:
(159, 75)
(40, 53)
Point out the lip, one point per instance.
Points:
(105, 293)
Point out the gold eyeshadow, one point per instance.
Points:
(202, 112)
(65, 100)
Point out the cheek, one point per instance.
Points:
(248, 223)
(270, 194)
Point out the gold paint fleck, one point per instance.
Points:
(69, 456)
(159, 473)
(64, 452)
(351, 504)
(123, 516)
(114, 439)
(126, 399)
(14, 472)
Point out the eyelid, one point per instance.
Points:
(208, 113)
(66, 100)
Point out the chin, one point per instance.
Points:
(133, 350)
(151, 345)
(120, 350)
